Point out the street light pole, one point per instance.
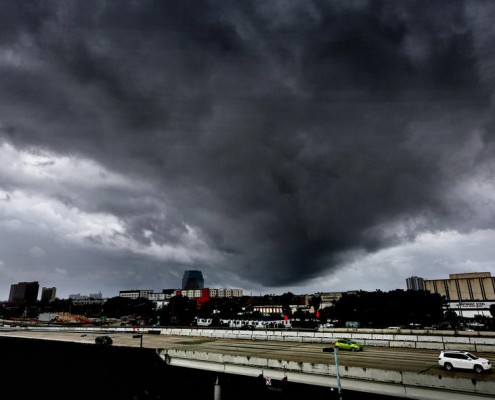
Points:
(140, 336)
(335, 351)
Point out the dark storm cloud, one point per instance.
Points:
(288, 133)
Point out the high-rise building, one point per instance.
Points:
(24, 292)
(193, 279)
(415, 283)
(48, 294)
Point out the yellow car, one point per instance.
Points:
(348, 344)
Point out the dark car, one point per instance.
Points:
(104, 340)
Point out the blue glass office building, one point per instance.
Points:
(193, 280)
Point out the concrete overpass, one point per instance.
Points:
(360, 373)
(402, 365)
(410, 385)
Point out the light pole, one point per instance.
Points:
(335, 351)
(217, 391)
(141, 337)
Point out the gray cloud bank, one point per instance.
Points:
(267, 143)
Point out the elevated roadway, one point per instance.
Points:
(403, 372)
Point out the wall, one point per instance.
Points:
(419, 339)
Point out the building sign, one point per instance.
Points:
(472, 304)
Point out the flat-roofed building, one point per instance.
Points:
(469, 294)
(226, 293)
(48, 295)
(268, 309)
(207, 292)
(327, 298)
(136, 293)
(24, 292)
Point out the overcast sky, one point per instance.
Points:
(302, 146)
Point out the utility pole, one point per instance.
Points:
(140, 336)
(335, 351)
(217, 391)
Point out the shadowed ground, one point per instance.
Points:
(73, 371)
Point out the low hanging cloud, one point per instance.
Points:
(265, 143)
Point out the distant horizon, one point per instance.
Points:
(206, 287)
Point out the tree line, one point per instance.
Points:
(376, 309)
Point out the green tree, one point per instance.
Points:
(58, 305)
(381, 309)
(315, 301)
(286, 300)
(140, 310)
(180, 311)
(452, 318)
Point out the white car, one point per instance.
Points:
(458, 359)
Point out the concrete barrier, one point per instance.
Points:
(420, 339)
(369, 380)
(484, 342)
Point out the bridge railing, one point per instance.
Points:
(440, 340)
(482, 341)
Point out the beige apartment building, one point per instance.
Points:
(469, 294)
(327, 298)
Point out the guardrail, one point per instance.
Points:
(440, 340)
(426, 386)
(481, 341)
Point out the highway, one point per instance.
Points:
(418, 361)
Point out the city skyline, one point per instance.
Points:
(412, 283)
(52, 290)
(276, 146)
(469, 294)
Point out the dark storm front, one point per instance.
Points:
(73, 371)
